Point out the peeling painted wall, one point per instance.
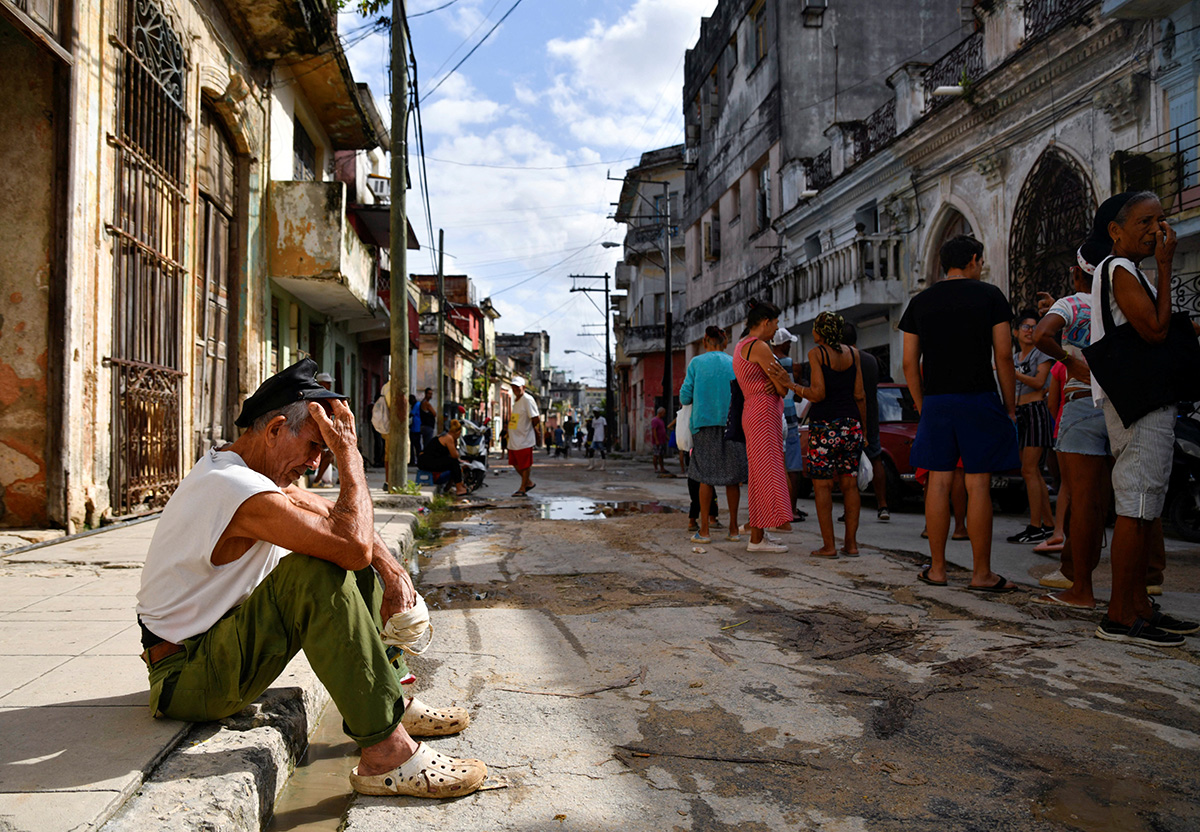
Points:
(27, 162)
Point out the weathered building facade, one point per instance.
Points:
(649, 207)
(1013, 134)
(142, 308)
(762, 85)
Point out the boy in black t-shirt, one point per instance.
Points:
(953, 331)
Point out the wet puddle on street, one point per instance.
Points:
(577, 508)
(318, 792)
(1098, 804)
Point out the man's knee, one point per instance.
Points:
(310, 571)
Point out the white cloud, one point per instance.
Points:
(529, 189)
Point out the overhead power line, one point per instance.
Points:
(431, 11)
(482, 40)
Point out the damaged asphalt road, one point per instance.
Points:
(619, 679)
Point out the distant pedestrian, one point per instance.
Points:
(953, 331)
(793, 454)
(1035, 427)
(441, 456)
(524, 433)
(658, 440)
(835, 430)
(428, 418)
(599, 442)
(715, 461)
(764, 384)
(414, 429)
(873, 449)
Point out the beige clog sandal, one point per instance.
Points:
(420, 720)
(425, 774)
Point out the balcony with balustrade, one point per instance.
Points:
(858, 278)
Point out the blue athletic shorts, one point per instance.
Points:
(970, 426)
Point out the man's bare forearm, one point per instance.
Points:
(353, 513)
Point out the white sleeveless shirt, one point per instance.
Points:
(183, 593)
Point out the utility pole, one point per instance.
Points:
(608, 393)
(441, 371)
(397, 445)
(668, 318)
(664, 216)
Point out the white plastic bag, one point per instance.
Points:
(379, 416)
(866, 472)
(683, 428)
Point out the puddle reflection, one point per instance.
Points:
(576, 508)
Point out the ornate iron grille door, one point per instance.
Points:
(147, 231)
(1054, 213)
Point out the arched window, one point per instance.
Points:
(1054, 213)
(953, 224)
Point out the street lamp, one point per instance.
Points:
(588, 354)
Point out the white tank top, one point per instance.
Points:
(183, 593)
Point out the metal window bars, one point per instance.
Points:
(1167, 164)
(148, 275)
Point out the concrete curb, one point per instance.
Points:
(226, 776)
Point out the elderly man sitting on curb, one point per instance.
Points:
(245, 570)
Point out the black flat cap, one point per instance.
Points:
(295, 384)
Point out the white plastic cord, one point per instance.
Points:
(410, 630)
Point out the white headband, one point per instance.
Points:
(1084, 264)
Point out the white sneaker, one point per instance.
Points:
(1055, 580)
(767, 546)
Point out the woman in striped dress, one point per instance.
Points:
(764, 384)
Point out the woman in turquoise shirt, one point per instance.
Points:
(715, 461)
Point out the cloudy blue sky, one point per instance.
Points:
(519, 141)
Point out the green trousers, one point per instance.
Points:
(306, 604)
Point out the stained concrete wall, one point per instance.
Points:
(27, 238)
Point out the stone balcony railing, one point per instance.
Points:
(870, 258)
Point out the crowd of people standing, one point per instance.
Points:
(995, 392)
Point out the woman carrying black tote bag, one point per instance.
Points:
(1131, 331)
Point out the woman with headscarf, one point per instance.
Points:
(835, 429)
(763, 384)
(715, 460)
(1142, 451)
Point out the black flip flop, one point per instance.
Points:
(997, 587)
(923, 577)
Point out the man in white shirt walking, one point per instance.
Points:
(524, 432)
(599, 428)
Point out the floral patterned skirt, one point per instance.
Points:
(834, 448)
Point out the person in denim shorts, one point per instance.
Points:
(1082, 444)
(952, 333)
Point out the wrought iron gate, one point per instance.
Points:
(1054, 214)
(148, 275)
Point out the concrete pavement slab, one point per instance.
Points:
(78, 679)
(49, 636)
(76, 606)
(21, 670)
(101, 743)
(55, 811)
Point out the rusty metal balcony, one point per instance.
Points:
(315, 254)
